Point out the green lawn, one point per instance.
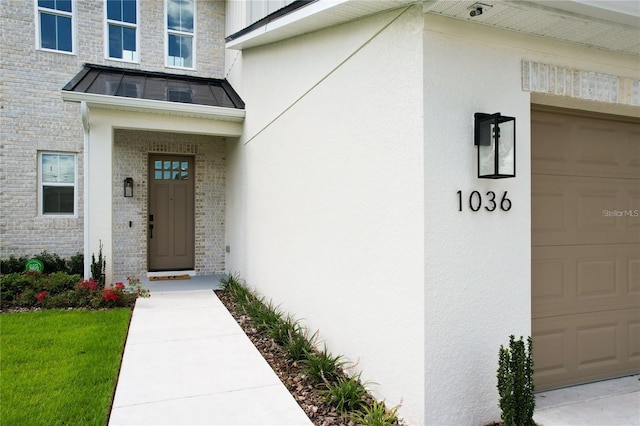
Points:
(60, 367)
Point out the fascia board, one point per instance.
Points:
(272, 28)
(149, 105)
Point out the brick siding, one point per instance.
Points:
(34, 118)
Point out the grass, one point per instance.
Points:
(60, 367)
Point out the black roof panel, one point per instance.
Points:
(110, 81)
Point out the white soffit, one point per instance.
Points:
(610, 25)
(315, 16)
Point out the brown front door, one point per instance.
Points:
(171, 213)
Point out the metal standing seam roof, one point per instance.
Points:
(157, 86)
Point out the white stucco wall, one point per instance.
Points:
(325, 193)
(343, 206)
(477, 265)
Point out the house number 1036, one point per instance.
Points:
(490, 202)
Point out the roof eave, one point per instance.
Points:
(153, 106)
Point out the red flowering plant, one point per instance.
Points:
(124, 295)
(40, 296)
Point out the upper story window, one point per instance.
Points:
(55, 25)
(58, 183)
(180, 36)
(122, 30)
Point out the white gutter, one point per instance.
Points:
(149, 105)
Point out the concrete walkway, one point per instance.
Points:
(607, 403)
(187, 361)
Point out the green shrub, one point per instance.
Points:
(322, 366)
(346, 394)
(61, 290)
(75, 264)
(515, 383)
(376, 415)
(13, 264)
(299, 344)
(98, 267)
(52, 263)
(281, 330)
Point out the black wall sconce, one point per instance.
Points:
(128, 187)
(495, 136)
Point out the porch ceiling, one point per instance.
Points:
(125, 89)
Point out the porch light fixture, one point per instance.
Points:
(495, 136)
(128, 187)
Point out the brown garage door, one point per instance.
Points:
(585, 202)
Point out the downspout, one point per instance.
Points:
(84, 111)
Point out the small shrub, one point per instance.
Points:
(515, 383)
(346, 394)
(60, 282)
(299, 344)
(264, 314)
(322, 366)
(52, 262)
(13, 264)
(98, 267)
(281, 331)
(376, 415)
(75, 264)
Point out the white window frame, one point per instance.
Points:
(136, 26)
(41, 185)
(72, 15)
(167, 31)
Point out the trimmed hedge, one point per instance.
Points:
(52, 263)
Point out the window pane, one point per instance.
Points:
(114, 10)
(129, 11)
(180, 51)
(158, 175)
(58, 168)
(115, 41)
(57, 199)
(129, 39)
(180, 15)
(63, 5)
(64, 34)
(49, 4)
(47, 31)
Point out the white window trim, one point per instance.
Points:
(193, 37)
(72, 14)
(75, 185)
(136, 26)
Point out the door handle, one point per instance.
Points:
(151, 230)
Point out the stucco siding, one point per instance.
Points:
(478, 264)
(325, 193)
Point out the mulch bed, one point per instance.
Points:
(291, 373)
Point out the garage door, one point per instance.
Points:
(585, 216)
